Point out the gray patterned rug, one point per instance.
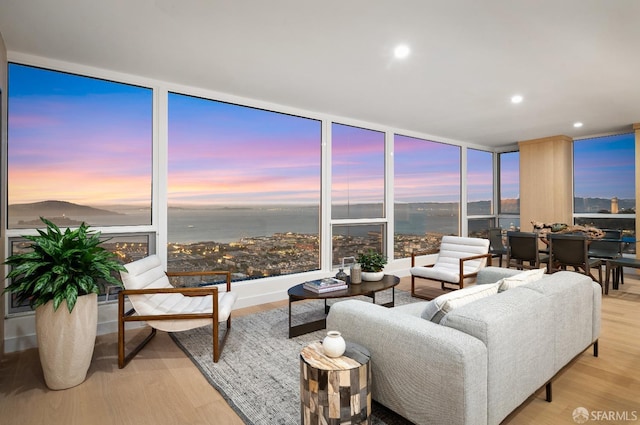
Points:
(258, 371)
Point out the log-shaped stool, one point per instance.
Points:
(335, 390)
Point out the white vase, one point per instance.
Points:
(372, 276)
(66, 341)
(333, 344)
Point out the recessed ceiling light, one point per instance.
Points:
(401, 51)
(516, 98)
(577, 124)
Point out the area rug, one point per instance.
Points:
(259, 370)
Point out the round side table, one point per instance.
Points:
(335, 390)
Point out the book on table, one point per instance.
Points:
(325, 285)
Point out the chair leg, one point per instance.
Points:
(413, 290)
(217, 344)
(124, 360)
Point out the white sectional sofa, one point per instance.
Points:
(484, 358)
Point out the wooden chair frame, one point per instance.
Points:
(131, 316)
(463, 276)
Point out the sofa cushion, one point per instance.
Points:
(520, 279)
(437, 308)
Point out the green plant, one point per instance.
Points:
(61, 266)
(372, 261)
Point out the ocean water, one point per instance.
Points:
(227, 225)
(231, 224)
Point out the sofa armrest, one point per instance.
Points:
(423, 371)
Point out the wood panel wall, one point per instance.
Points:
(546, 181)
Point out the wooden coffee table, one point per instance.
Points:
(369, 289)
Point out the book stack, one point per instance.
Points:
(327, 284)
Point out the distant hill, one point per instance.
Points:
(56, 209)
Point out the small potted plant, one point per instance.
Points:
(372, 263)
(60, 276)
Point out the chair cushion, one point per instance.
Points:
(452, 249)
(520, 279)
(148, 273)
(437, 308)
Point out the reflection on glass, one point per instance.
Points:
(243, 189)
(357, 173)
(479, 227)
(627, 225)
(79, 149)
(509, 182)
(479, 182)
(128, 248)
(351, 240)
(604, 175)
(427, 194)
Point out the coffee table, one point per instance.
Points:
(369, 289)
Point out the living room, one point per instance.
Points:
(276, 76)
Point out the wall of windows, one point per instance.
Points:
(427, 194)
(223, 184)
(243, 189)
(604, 184)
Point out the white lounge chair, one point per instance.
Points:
(170, 309)
(459, 258)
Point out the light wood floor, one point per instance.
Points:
(161, 385)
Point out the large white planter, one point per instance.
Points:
(372, 276)
(66, 341)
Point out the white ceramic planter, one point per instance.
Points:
(66, 341)
(372, 276)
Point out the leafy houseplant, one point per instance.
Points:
(61, 266)
(372, 261)
(69, 268)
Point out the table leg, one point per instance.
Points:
(289, 317)
(606, 280)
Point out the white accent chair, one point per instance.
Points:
(168, 308)
(459, 258)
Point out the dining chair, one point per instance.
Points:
(523, 251)
(496, 245)
(571, 250)
(168, 308)
(608, 248)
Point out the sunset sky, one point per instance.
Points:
(89, 141)
(77, 139)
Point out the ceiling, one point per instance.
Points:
(572, 60)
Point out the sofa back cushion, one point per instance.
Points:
(437, 308)
(520, 279)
